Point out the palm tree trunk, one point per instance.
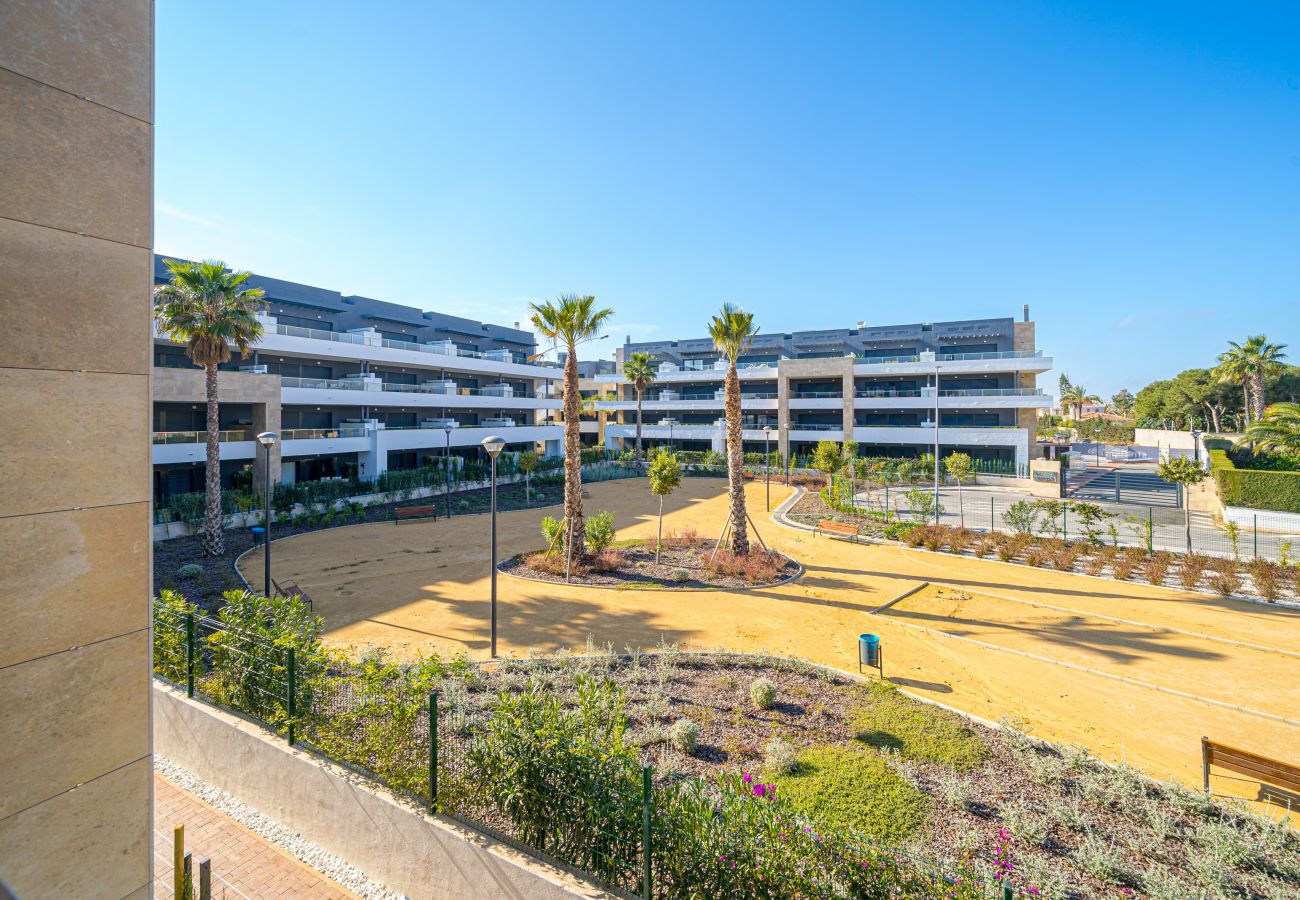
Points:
(1245, 402)
(735, 464)
(638, 425)
(573, 524)
(214, 542)
(1257, 390)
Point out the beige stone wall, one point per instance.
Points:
(827, 367)
(76, 236)
(1023, 337)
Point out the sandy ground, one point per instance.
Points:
(1081, 659)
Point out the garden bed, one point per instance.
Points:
(686, 562)
(1257, 579)
(218, 575)
(864, 758)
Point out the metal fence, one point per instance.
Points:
(1150, 527)
(618, 824)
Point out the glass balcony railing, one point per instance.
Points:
(199, 437)
(353, 384)
(343, 337)
(815, 426)
(887, 392)
(884, 360)
(991, 392)
(816, 395)
(309, 434)
(999, 354)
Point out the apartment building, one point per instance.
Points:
(887, 387)
(354, 386)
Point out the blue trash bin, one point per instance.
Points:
(259, 533)
(869, 650)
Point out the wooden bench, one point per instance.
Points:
(289, 589)
(415, 512)
(1243, 762)
(830, 527)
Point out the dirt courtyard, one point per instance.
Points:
(1132, 671)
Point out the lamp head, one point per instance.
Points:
(494, 445)
(267, 438)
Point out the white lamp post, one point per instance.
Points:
(494, 445)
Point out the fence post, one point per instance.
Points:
(189, 654)
(1256, 518)
(1065, 526)
(1151, 530)
(292, 691)
(433, 751)
(647, 885)
(992, 519)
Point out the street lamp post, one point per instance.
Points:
(494, 445)
(788, 454)
(767, 464)
(446, 475)
(671, 448)
(267, 439)
(936, 445)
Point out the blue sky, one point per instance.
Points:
(1130, 170)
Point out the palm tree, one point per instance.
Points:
(570, 320)
(1249, 364)
(1278, 430)
(732, 332)
(1075, 396)
(639, 370)
(208, 308)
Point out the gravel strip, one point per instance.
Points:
(306, 852)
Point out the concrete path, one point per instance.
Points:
(243, 864)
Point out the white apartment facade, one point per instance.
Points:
(889, 388)
(354, 387)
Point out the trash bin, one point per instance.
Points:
(259, 534)
(869, 650)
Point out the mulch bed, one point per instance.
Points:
(1064, 808)
(810, 509)
(219, 573)
(683, 564)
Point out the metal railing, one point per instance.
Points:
(199, 437)
(815, 426)
(884, 360)
(886, 392)
(991, 392)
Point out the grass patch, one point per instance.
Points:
(848, 789)
(893, 721)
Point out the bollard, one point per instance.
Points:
(205, 879)
(178, 861)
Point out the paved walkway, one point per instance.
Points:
(243, 864)
(1130, 670)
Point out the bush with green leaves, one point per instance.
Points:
(1021, 517)
(779, 757)
(600, 531)
(170, 653)
(551, 528)
(762, 693)
(684, 735)
(189, 570)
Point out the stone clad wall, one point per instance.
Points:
(76, 236)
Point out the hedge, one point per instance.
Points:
(1255, 488)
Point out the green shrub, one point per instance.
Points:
(684, 736)
(169, 635)
(762, 693)
(600, 531)
(779, 757)
(898, 531)
(551, 527)
(1255, 488)
(852, 790)
(189, 570)
(681, 576)
(893, 721)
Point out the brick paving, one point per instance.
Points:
(244, 865)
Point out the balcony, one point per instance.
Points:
(199, 437)
(431, 393)
(954, 398)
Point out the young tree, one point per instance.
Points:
(571, 320)
(209, 309)
(665, 475)
(960, 467)
(639, 371)
(1121, 403)
(1184, 472)
(827, 458)
(526, 463)
(732, 331)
